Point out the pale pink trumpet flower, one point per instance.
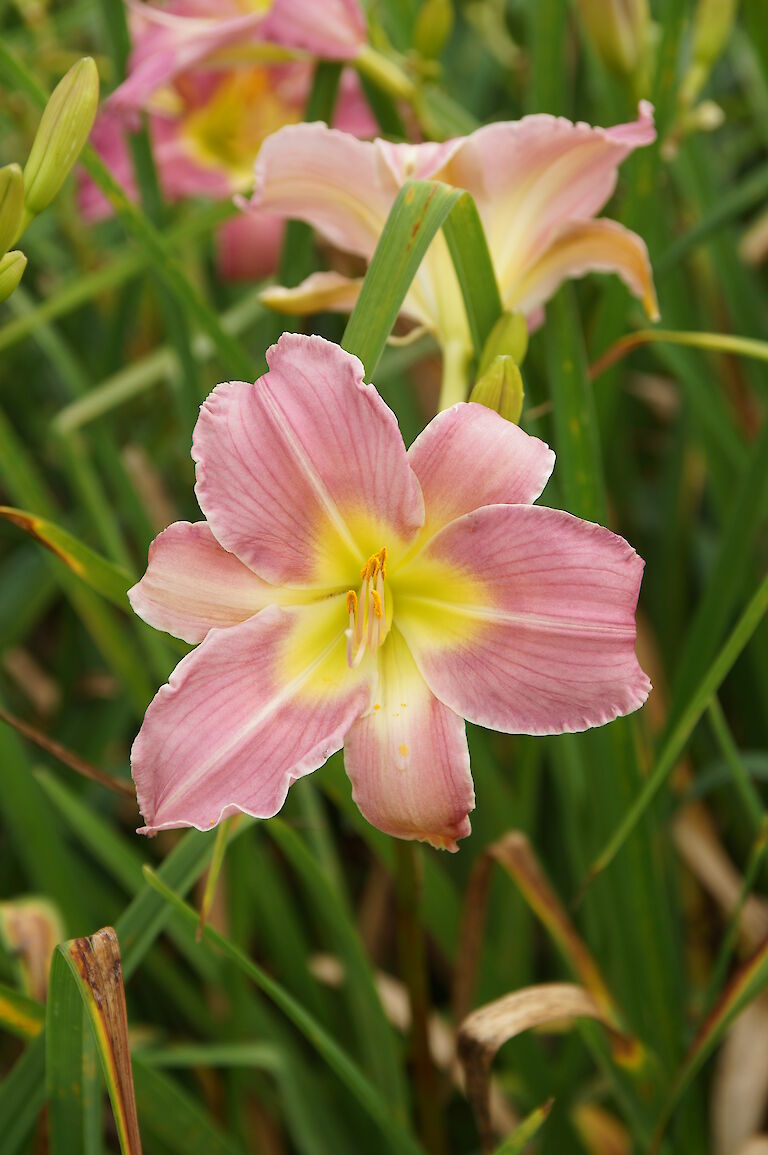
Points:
(210, 35)
(346, 592)
(538, 184)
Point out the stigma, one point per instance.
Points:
(367, 610)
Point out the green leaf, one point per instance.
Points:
(356, 1082)
(420, 209)
(675, 744)
(377, 1040)
(108, 579)
(517, 1142)
(749, 981)
(172, 1116)
(20, 1014)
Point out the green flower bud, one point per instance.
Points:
(501, 388)
(508, 338)
(11, 205)
(12, 267)
(618, 29)
(712, 25)
(63, 130)
(433, 27)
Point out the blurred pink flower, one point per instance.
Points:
(538, 183)
(205, 137)
(210, 34)
(347, 592)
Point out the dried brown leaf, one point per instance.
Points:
(740, 1086)
(485, 1030)
(96, 961)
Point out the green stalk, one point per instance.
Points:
(454, 386)
(413, 966)
(728, 748)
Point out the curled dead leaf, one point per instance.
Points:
(485, 1030)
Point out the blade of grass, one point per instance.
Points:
(366, 1094)
(108, 579)
(87, 286)
(748, 982)
(376, 1038)
(675, 744)
(521, 1137)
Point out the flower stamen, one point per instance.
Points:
(367, 611)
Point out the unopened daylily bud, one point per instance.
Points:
(508, 338)
(500, 387)
(64, 128)
(618, 29)
(433, 27)
(712, 25)
(12, 267)
(11, 205)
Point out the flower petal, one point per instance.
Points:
(580, 247)
(304, 475)
(338, 184)
(248, 246)
(319, 292)
(250, 710)
(523, 620)
(166, 44)
(407, 758)
(468, 456)
(193, 585)
(532, 175)
(334, 30)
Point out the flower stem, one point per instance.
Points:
(454, 386)
(413, 967)
(385, 73)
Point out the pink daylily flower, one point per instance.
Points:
(205, 141)
(538, 184)
(192, 34)
(347, 592)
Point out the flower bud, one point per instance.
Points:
(12, 267)
(11, 205)
(64, 128)
(508, 338)
(712, 26)
(500, 387)
(433, 27)
(618, 29)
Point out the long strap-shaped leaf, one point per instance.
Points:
(86, 974)
(675, 744)
(367, 1095)
(108, 579)
(421, 208)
